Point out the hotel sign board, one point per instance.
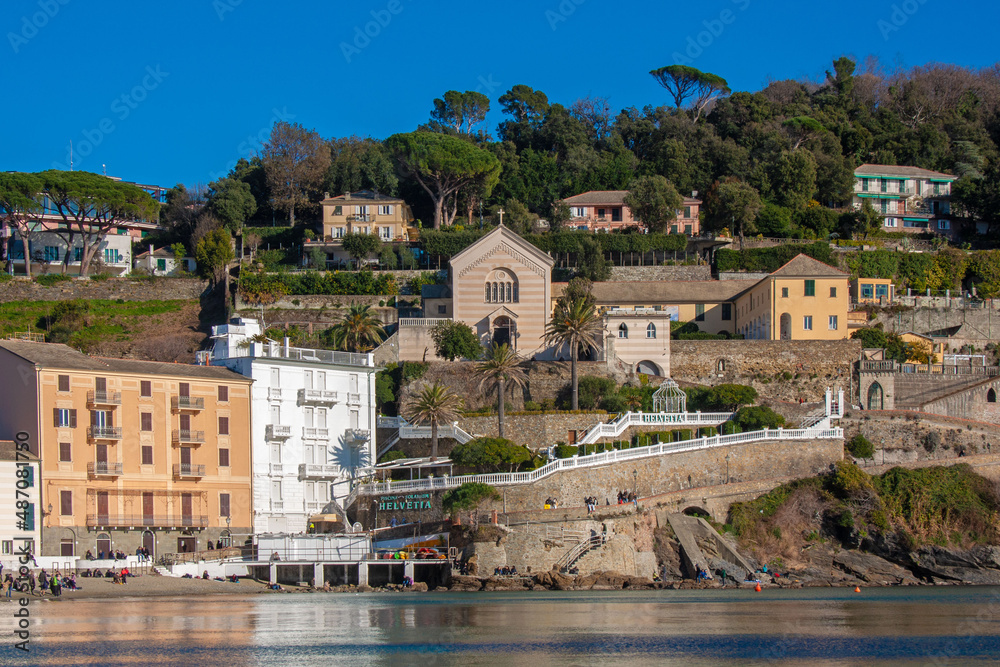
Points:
(412, 501)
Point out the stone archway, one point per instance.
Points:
(876, 396)
(647, 368)
(786, 326)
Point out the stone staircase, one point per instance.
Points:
(913, 392)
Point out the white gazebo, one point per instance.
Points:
(669, 398)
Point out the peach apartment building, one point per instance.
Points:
(132, 453)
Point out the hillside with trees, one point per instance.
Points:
(776, 162)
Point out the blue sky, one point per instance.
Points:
(172, 92)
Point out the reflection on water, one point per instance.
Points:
(958, 626)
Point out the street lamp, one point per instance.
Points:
(635, 482)
(229, 533)
(727, 468)
(883, 451)
(375, 505)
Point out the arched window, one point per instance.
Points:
(622, 330)
(991, 396)
(508, 293)
(875, 396)
(487, 292)
(495, 299)
(650, 330)
(515, 294)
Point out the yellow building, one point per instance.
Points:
(133, 453)
(803, 300)
(366, 212)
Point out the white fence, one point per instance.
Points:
(605, 458)
(620, 425)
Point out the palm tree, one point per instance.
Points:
(499, 366)
(359, 330)
(577, 325)
(435, 404)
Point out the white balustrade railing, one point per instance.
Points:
(605, 458)
(620, 425)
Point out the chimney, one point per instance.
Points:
(326, 195)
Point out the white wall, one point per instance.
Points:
(276, 391)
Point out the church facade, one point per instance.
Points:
(501, 287)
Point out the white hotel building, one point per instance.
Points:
(313, 414)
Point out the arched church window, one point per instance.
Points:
(651, 330)
(622, 330)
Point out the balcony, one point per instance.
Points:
(147, 520)
(361, 218)
(357, 436)
(277, 506)
(314, 506)
(104, 432)
(179, 403)
(319, 471)
(354, 399)
(317, 396)
(274, 393)
(188, 470)
(276, 468)
(311, 433)
(278, 432)
(96, 398)
(181, 436)
(104, 469)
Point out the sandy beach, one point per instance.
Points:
(151, 585)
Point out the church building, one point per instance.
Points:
(501, 287)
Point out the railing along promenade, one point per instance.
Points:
(605, 458)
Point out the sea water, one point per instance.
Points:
(887, 626)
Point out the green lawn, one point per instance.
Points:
(98, 319)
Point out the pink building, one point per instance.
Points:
(606, 210)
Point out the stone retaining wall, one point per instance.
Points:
(534, 430)
(811, 366)
(655, 475)
(157, 289)
(906, 436)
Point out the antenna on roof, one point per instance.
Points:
(71, 155)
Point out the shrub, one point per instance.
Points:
(394, 455)
(757, 418)
(468, 496)
(100, 277)
(564, 451)
(860, 447)
(490, 454)
(50, 279)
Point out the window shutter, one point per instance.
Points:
(72, 418)
(55, 417)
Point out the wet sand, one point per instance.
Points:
(151, 585)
